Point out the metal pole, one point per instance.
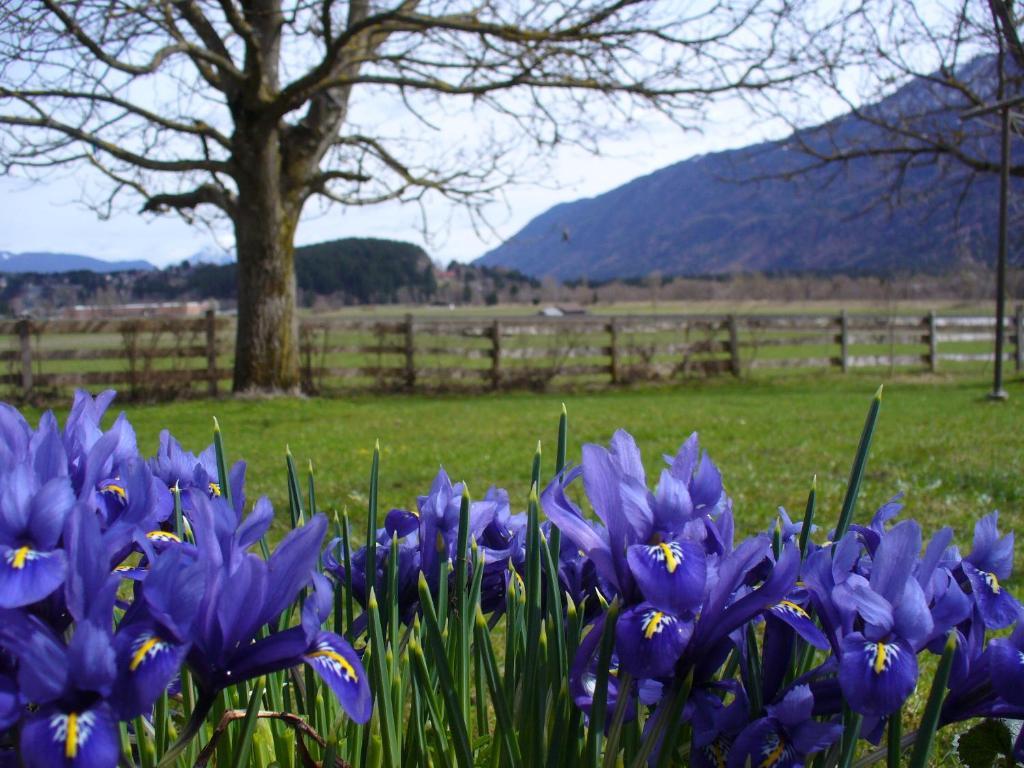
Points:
(998, 393)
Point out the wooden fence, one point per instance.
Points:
(170, 358)
(144, 358)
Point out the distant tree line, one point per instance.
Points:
(352, 270)
(342, 272)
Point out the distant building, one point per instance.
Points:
(142, 309)
(562, 310)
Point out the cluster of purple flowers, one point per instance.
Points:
(106, 593)
(837, 623)
(869, 603)
(117, 573)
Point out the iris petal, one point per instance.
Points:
(997, 606)
(649, 642)
(334, 660)
(147, 662)
(876, 677)
(1006, 662)
(763, 745)
(28, 575)
(796, 617)
(401, 522)
(10, 707)
(77, 739)
(671, 575)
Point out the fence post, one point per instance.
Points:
(25, 337)
(844, 341)
(613, 363)
(496, 355)
(410, 352)
(933, 343)
(734, 346)
(1020, 338)
(211, 352)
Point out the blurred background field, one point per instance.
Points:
(954, 454)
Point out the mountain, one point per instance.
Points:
(45, 263)
(733, 211)
(212, 255)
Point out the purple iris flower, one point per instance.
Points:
(650, 549)
(1006, 665)
(428, 541)
(503, 545)
(716, 724)
(991, 561)
(32, 514)
(407, 572)
(94, 457)
(785, 737)
(635, 522)
(878, 661)
(784, 622)
(990, 679)
(669, 556)
(191, 474)
(209, 604)
(881, 602)
(72, 720)
(436, 523)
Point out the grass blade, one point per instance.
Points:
(371, 522)
(501, 711)
(449, 693)
(244, 743)
(933, 709)
(805, 530)
(595, 730)
(382, 684)
(859, 463)
(894, 748)
(294, 494)
(346, 558)
(426, 691)
(222, 464)
(618, 719)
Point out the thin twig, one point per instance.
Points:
(289, 719)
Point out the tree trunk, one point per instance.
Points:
(267, 345)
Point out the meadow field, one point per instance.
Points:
(954, 454)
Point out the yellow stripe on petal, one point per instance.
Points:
(71, 737)
(885, 655)
(774, 756)
(336, 658)
(792, 607)
(20, 556)
(652, 624)
(142, 651)
(115, 489)
(671, 563)
(992, 581)
(162, 536)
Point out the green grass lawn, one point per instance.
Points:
(955, 455)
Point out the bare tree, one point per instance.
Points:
(905, 71)
(245, 108)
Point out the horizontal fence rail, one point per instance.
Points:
(166, 358)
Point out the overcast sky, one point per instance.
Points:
(46, 215)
